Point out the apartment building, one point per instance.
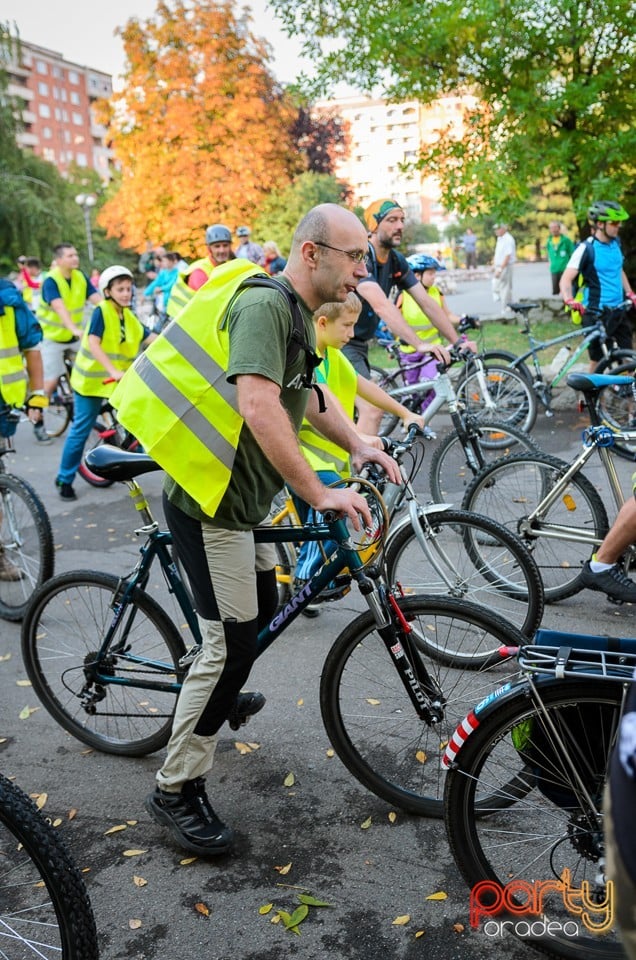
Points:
(385, 136)
(56, 99)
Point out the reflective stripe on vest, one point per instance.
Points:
(181, 293)
(342, 380)
(88, 373)
(73, 296)
(13, 376)
(415, 317)
(176, 398)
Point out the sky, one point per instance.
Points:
(84, 32)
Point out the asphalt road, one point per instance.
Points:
(369, 876)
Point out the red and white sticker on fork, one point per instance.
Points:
(462, 732)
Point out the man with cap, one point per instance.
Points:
(248, 250)
(218, 240)
(386, 269)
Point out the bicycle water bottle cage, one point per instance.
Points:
(598, 437)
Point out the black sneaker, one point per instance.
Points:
(614, 582)
(191, 819)
(247, 704)
(65, 490)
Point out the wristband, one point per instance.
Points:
(38, 400)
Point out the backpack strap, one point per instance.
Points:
(297, 340)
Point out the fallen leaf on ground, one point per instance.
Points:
(366, 823)
(392, 816)
(289, 780)
(23, 683)
(265, 908)
(203, 909)
(134, 924)
(139, 881)
(26, 712)
(440, 895)
(116, 829)
(133, 853)
(401, 921)
(184, 863)
(458, 927)
(284, 870)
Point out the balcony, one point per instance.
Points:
(27, 139)
(20, 92)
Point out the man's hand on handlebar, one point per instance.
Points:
(413, 419)
(347, 502)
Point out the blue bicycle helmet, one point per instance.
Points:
(420, 262)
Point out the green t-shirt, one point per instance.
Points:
(260, 325)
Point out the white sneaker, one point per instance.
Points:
(41, 434)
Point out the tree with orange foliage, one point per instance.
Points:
(201, 129)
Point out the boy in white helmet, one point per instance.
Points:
(109, 345)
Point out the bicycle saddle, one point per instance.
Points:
(592, 382)
(111, 463)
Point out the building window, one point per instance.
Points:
(47, 133)
(67, 136)
(49, 154)
(57, 72)
(40, 66)
(75, 98)
(65, 116)
(44, 110)
(63, 96)
(78, 119)
(56, 93)
(43, 88)
(73, 77)
(81, 159)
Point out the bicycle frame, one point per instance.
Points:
(536, 346)
(424, 695)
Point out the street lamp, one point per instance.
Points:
(86, 201)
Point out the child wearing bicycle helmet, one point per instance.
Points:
(109, 345)
(425, 269)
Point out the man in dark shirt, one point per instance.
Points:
(387, 268)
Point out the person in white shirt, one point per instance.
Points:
(505, 256)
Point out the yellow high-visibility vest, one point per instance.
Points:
(73, 295)
(181, 294)
(415, 317)
(342, 380)
(13, 376)
(88, 373)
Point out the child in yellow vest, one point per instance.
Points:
(334, 323)
(425, 269)
(109, 345)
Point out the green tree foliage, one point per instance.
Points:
(555, 87)
(279, 214)
(37, 205)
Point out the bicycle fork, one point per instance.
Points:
(425, 695)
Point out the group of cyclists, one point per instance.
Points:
(340, 279)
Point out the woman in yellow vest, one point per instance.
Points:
(109, 345)
(425, 269)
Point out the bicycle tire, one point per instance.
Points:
(616, 409)
(549, 826)
(450, 469)
(511, 488)
(369, 717)
(27, 539)
(484, 562)
(512, 393)
(58, 415)
(45, 910)
(617, 358)
(61, 634)
(506, 358)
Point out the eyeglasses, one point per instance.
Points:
(356, 255)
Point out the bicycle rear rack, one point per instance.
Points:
(569, 661)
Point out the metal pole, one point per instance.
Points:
(89, 235)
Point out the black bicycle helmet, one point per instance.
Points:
(604, 211)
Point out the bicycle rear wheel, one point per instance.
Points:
(45, 911)
(451, 467)
(368, 715)
(513, 488)
(58, 414)
(470, 557)
(26, 540)
(512, 394)
(62, 634)
(556, 741)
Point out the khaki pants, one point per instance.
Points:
(233, 560)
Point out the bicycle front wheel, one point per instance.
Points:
(523, 803)
(58, 414)
(470, 557)
(369, 717)
(512, 394)
(562, 534)
(26, 541)
(457, 460)
(45, 911)
(62, 636)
